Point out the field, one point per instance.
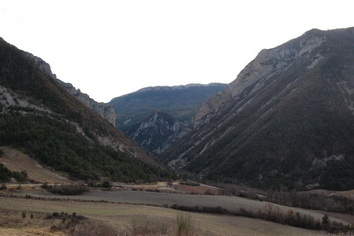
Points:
(166, 199)
(146, 209)
(122, 219)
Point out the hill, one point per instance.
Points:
(39, 117)
(174, 106)
(286, 121)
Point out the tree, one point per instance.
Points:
(325, 222)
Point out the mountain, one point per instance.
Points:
(103, 109)
(287, 120)
(41, 118)
(156, 132)
(154, 116)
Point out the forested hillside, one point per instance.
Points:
(41, 118)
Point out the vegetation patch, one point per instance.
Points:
(139, 226)
(184, 223)
(6, 175)
(275, 214)
(316, 200)
(56, 143)
(66, 189)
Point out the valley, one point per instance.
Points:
(123, 219)
(126, 209)
(271, 153)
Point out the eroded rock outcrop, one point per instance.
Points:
(288, 109)
(103, 109)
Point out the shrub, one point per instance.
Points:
(6, 174)
(325, 222)
(66, 189)
(184, 223)
(3, 186)
(107, 183)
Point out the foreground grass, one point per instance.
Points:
(124, 218)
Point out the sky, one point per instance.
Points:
(109, 48)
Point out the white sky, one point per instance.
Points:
(110, 48)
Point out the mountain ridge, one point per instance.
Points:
(136, 111)
(41, 117)
(272, 124)
(103, 109)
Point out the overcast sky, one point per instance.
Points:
(110, 48)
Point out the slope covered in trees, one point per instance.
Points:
(39, 117)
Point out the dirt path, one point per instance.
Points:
(17, 161)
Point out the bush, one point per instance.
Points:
(66, 189)
(184, 223)
(3, 186)
(6, 174)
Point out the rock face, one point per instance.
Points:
(283, 121)
(257, 73)
(156, 132)
(103, 109)
(155, 116)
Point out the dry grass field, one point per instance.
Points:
(17, 161)
(130, 209)
(165, 199)
(124, 219)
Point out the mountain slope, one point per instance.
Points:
(181, 102)
(287, 120)
(41, 117)
(156, 132)
(175, 107)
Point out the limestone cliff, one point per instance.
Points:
(288, 110)
(257, 73)
(103, 109)
(156, 132)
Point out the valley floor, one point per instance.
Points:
(130, 210)
(124, 219)
(231, 203)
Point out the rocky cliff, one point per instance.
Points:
(156, 132)
(103, 109)
(288, 110)
(155, 116)
(258, 72)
